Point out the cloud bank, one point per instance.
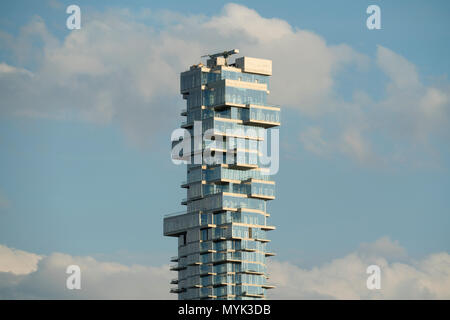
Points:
(117, 68)
(122, 68)
(26, 275)
(345, 278)
(29, 276)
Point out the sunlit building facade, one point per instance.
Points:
(223, 233)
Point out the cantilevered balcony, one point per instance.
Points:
(268, 286)
(266, 117)
(177, 290)
(177, 267)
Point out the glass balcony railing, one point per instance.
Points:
(240, 217)
(223, 291)
(205, 246)
(206, 292)
(249, 290)
(229, 256)
(219, 233)
(206, 258)
(225, 267)
(264, 115)
(217, 173)
(187, 123)
(193, 258)
(207, 281)
(253, 268)
(204, 269)
(226, 202)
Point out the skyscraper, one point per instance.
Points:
(222, 235)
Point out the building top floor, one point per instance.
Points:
(246, 69)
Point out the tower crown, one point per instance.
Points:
(219, 59)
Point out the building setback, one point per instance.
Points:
(222, 235)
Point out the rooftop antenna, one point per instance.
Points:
(224, 54)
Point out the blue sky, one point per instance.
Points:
(88, 182)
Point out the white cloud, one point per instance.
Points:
(402, 73)
(113, 70)
(54, 4)
(345, 278)
(354, 144)
(383, 247)
(5, 68)
(412, 111)
(120, 69)
(304, 65)
(313, 141)
(17, 261)
(25, 275)
(394, 128)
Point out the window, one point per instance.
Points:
(204, 234)
(204, 218)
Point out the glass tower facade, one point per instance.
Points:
(222, 235)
